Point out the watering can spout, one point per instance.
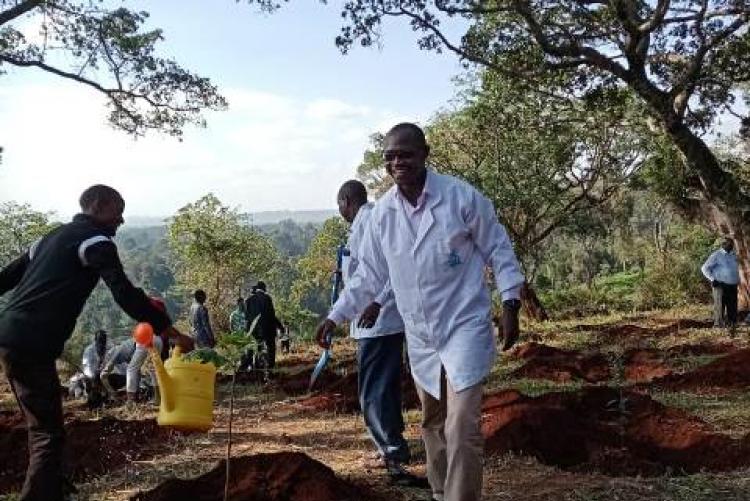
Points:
(166, 386)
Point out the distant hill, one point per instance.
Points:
(257, 218)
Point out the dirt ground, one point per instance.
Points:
(650, 407)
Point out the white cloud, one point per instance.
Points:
(267, 152)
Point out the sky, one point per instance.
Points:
(299, 119)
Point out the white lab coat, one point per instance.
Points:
(389, 321)
(438, 279)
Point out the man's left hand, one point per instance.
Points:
(369, 316)
(511, 329)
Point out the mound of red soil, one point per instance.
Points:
(283, 476)
(343, 395)
(298, 383)
(701, 349)
(629, 330)
(93, 447)
(643, 365)
(596, 430)
(726, 373)
(248, 377)
(556, 364)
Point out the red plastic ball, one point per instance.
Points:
(143, 334)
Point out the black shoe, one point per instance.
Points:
(402, 478)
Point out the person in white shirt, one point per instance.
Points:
(722, 270)
(432, 236)
(380, 339)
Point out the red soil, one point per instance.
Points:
(555, 364)
(93, 447)
(726, 373)
(644, 365)
(591, 431)
(282, 476)
(547, 362)
(629, 330)
(342, 395)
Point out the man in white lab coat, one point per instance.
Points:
(432, 235)
(379, 332)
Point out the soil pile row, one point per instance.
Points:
(342, 395)
(93, 447)
(726, 373)
(283, 476)
(600, 429)
(556, 364)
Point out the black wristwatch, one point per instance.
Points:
(512, 304)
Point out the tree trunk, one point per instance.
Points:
(531, 305)
(725, 206)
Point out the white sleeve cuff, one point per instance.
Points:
(514, 293)
(336, 317)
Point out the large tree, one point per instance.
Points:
(216, 250)
(683, 58)
(110, 51)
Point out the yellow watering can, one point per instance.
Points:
(187, 392)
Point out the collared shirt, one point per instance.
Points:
(414, 212)
(722, 266)
(389, 321)
(437, 277)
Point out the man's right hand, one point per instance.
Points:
(185, 343)
(324, 328)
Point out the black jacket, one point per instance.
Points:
(52, 282)
(261, 304)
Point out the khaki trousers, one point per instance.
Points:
(453, 442)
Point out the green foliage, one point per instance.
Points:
(637, 255)
(111, 51)
(230, 348)
(290, 238)
(312, 287)
(215, 250)
(20, 226)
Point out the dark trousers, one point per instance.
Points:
(725, 305)
(271, 350)
(36, 386)
(379, 361)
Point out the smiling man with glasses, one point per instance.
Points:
(432, 236)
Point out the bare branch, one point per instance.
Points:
(656, 20)
(19, 10)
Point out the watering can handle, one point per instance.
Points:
(163, 379)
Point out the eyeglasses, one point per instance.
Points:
(390, 156)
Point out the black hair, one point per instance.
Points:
(354, 190)
(414, 131)
(261, 285)
(97, 193)
(200, 296)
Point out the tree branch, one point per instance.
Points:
(19, 10)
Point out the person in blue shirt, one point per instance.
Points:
(722, 270)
